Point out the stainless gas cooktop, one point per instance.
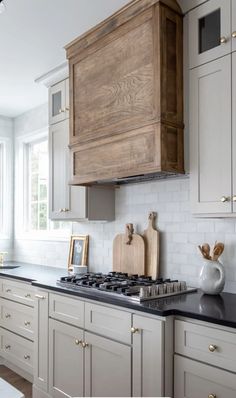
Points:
(128, 287)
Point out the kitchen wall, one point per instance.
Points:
(180, 232)
(6, 131)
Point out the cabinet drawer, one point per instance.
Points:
(17, 317)
(66, 309)
(18, 291)
(210, 345)
(108, 322)
(196, 380)
(17, 350)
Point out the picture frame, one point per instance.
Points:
(78, 254)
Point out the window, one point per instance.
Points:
(32, 184)
(5, 187)
(38, 185)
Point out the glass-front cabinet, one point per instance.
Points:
(210, 31)
(59, 102)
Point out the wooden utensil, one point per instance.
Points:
(205, 250)
(129, 252)
(217, 251)
(152, 248)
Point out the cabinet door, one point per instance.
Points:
(41, 341)
(210, 137)
(66, 360)
(67, 88)
(209, 32)
(107, 368)
(148, 357)
(196, 380)
(66, 202)
(57, 102)
(234, 128)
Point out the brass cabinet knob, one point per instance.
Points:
(66, 210)
(134, 330)
(40, 297)
(67, 108)
(7, 316)
(27, 323)
(223, 40)
(28, 295)
(61, 110)
(78, 342)
(212, 347)
(7, 347)
(84, 344)
(211, 396)
(8, 290)
(224, 199)
(234, 35)
(27, 356)
(234, 198)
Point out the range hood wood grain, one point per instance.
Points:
(126, 94)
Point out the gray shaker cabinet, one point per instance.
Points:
(68, 202)
(107, 367)
(66, 360)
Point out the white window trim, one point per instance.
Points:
(21, 192)
(6, 197)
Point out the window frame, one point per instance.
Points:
(22, 231)
(6, 178)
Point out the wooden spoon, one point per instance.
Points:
(203, 252)
(206, 249)
(217, 251)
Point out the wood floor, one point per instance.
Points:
(17, 381)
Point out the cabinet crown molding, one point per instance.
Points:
(54, 76)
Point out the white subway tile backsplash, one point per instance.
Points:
(181, 233)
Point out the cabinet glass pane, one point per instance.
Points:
(56, 103)
(209, 31)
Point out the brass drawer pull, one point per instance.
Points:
(27, 357)
(28, 295)
(78, 341)
(40, 297)
(27, 323)
(7, 316)
(134, 330)
(7, 347)
(234, 35)
(225, 199)
(212, 347)
(223, 40)
(211, 396)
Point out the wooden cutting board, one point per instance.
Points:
(129, 252)
(152, 248)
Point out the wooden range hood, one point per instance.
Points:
(126, 95)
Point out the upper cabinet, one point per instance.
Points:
(68, 202)
(59, 102)
(210, 125)
(209, 32)
(212, 103)
(126, 85)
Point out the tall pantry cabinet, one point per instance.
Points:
(212, 62)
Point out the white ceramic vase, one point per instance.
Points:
(212, 277)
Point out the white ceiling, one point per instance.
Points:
(32, 36)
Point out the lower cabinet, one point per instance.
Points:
(148, 357)
(107, 367)
(66, 360)
(104, 352)
(196, 380)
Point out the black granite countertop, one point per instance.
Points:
(219, 309)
